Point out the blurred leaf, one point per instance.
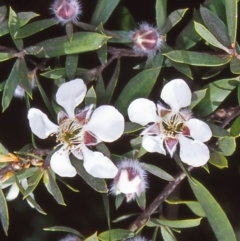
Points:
(101, 147)
(211, 72)
(217, 91)
(218, 160)
(64, 229)
(69, 31)
(115, 234)
(90, 97)
(55, 191)
(107, 208)
(124, 217)
(226, 146)
(3, 150)
(121, 37)
(196, 58)
(232, 20)
(13, 26)
(195, 207)
(4, 212)
(154, 62)
(96, 183)
(157, 172)
(197, 96)
(103, 11)
(6, 56)
(61, 73)
(136, 142)
(215, 215)
(100, 91)
(35, 27)
(235, 128)
(126, 20)
(32, 50)
(183, 68)
(187, 223)
(216, 26)
(102, 54)
(25, 17)
(67, 185)
(235, 65)
(139, 86)
(161, 12)
(218, 131)
(4, 28)
(209, 37)
(141, 152)
(141, 200)
(71, 64)
(119, 199)
(82, 42)
(113, 82)
(173, 19)
(92, 238)
(167, 234)
(131, 127)
(3, 13)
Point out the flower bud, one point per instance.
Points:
(70, 238)
(147, 40)
(130, 179)
(137, 238)
(66, 10)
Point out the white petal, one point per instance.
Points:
(176, 94)
(107, 123)
(153, 144)
(70, 95)
(193, 152)
(60, 163)
(13, 192)
(199, 130)
(142, 111)
(98, 165)
(40, 125)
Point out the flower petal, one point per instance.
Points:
(199, 130)
(107, 123)
(13, 192)
(98, 165)
(176, 94)
(39, 123)
(143, 111)
(70, 95)
(193, 152)
(153, 144)
(60, 163)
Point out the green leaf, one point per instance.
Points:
(186, 223)
(71, 65)
(119, 37)
(173, 19)
(215, 215)
(209, 37)
(96, 183)
(183, 68)
(69, 31)
(101, 147)
(119, 199)
(124, 217)
(103, 11)
(235, 65)
(216, 26)
(32, 50)
(197, 96)
(217, 91)
(55, 191)
(218, 131)
(167, 234)
(25, 17)
(141, 200)
(4, 216)
(105, 198)
(61, 73)
(195, 207)
(131, 127)
(157, 172)
(218, 160)
(232, 19)
(64, 229)
(198, 59)
(35, 27)
(115, 234)
(126, 20)
(92, 238)
(100, 91)
(82, 42)
(161, 12)
(4, 28)
(3, 13)
(91, 97)
(102, 54)
(139, 86)
(235, 128)
(226, 146)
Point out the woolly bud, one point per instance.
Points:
(70, 238)
(147, 40)
(66, 10)
(130, 179)
(137, 238)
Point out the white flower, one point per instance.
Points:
(76, 132)
(172, 126)
(130, 180)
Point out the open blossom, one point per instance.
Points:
(169, 127)
(130, 180)
(77, 132)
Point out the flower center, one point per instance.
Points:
(172, 125)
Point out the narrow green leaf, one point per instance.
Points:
(107, 209)
(92, 238)
(218, 131)
(3, 150)
(215, 215)
(35, 27)
(209, 37)
(232, 18)
(101, 147)
(218, 160)
(132, 127)
(197, 96)
(55, 189)
(82, 42)
(196, 58)
(167, 234)
(32, 50)
(235, 128)
(61, 73)
(183, 68)
(127, 21)
(96, 183)
(103, 11)
(119, 200)
(115, 234)
(139, 86)
(69, 31)
(102, 54)
(71, 64)
(216, 93)
(67, 185)
(161, 12)
(4, 216)
(91, 97)
(4, 28)
(3, 13)
(173, 19)
(124, 217)
(226, 146)
(119, 37)
(235, 65)
(25, 17)
(141, 200)
(100, 91)
(157, 172)
(64, 229)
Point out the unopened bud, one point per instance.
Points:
(137, 238)
(70, 238)
(146, 39)
(130, 180)
(66, 10)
